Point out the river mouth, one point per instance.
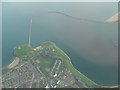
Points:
(91, 46)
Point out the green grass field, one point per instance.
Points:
(48, 43)
(45, 63)
(24, 52)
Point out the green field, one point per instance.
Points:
(48, 43)
(24, 52)
(45, 63)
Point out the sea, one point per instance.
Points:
(79, 30)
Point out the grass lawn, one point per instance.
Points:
(45, 63)
(48, 43)
(37, 61)
(24, 52)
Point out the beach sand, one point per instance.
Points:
(14, 63)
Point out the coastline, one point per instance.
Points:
(82, 77)
(102, 86)
(14, 63)
(75, 68)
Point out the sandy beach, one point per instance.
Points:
(14, 63)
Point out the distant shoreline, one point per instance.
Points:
(14, 63)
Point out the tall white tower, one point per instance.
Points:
(30, 31)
